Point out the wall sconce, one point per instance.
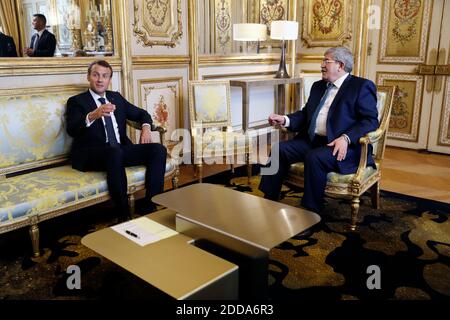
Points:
(250, 32)
(283, 30)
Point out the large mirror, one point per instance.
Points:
(79, 27)
(217, 17)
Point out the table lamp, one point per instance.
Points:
(283, 30)
(250, 32)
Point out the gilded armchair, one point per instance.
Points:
(352, 186)
(212, 135)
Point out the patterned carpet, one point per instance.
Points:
(408, 239)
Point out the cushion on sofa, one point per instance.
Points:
(51, 189)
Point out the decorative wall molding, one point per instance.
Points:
(223, 24)
(327, 23)
(163, 100)
(404, 37)
(407, 107)
(158, 22)
(444, 126)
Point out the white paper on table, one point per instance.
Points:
(146, 230)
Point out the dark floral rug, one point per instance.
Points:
(407, 240)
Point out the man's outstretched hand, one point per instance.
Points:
(276, 119)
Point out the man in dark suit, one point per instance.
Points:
(43, 43)
(341, 109)
(96, 119)
(7, 46)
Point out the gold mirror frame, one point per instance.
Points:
(248, 59)
(61, 65)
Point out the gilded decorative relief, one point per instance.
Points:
(405, 114)
(155, 19)
(223, 25)
(404, 40)
(444, 127)
(272, 10)
(327, 22)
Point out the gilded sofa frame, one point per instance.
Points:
(32, 221)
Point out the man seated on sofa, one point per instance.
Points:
(96, 119)
(341, 109)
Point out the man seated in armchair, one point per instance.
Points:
(340, 110)
(96, 119)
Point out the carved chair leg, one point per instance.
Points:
(132, 204)
(355, 210)
(232, 168)
(375, 193)
(175, 179)
(34, 235)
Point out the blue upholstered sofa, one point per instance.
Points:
(36, 181)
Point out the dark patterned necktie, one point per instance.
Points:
(312, 126)
(109, 128)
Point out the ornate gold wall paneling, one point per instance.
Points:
(404, 37)
(222, 26)
(157, 22)
(327, 23)
(155, 96)
(407, 108)
(444, 126)
(332, 23)
(193, 36)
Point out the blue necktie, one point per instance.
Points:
(312, 126)
(109, 128)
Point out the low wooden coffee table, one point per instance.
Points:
(239, 222)
(173, 265)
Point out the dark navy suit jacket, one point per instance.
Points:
(94, 136)
(7, 46)
(46, 45)
(353, 112)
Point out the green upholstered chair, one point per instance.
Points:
(352, 186)
(210, 124)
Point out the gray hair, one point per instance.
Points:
(344, 55)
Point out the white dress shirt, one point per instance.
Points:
(113, 118)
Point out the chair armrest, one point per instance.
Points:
(374, 136)
(161, 130)
(364, 141)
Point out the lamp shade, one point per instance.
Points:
(284, 30)
(249, 32)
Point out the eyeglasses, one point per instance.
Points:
(326, 61)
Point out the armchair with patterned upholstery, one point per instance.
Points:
(352, 186)
(210, 124)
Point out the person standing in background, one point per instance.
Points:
(43, 43)
(7, 46)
